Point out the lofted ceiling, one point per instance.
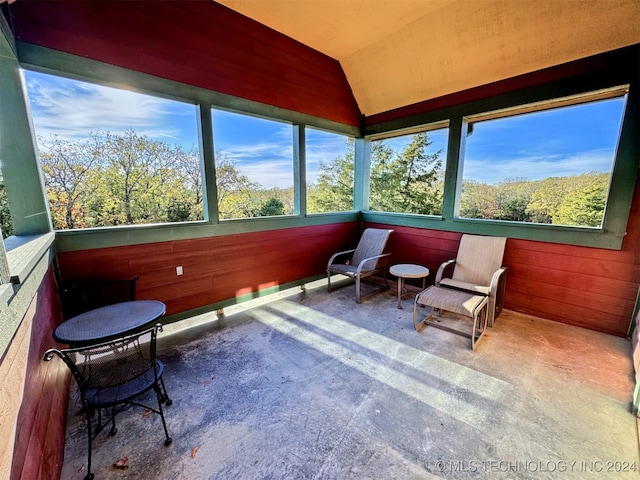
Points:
(399, 52)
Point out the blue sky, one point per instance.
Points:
(565, 141)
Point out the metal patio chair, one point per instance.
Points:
(478, 269)
(113, 375)
(363, 261)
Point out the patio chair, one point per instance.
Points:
(113, 375)
(363, 261)
(80, 297)
(478, 269)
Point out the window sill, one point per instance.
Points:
(24, 253)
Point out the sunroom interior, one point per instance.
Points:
(366, 71)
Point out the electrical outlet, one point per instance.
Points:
(179, 270)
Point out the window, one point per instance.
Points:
(550, 166)
(330, 171)
(112, 157)
(254, 166)
(407, 172)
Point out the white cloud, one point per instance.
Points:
(274, 173)
(73, 109)
(539, 167)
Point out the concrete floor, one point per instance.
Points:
(309, 385)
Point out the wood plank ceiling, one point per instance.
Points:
(400, 52)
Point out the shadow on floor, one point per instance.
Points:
(311, 385)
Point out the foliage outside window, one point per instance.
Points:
(549, 167)
(111, 157)
(407, 173)
(254, 166)
(330, 171)
(6, 223)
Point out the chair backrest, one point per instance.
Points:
(80, 297)
(478, 259)
(109, 365)
(371, 244)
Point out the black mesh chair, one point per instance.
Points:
(112, 375)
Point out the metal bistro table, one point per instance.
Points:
(107, 323)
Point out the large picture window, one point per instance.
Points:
(112, 157)
(548, 166)
(407, 172)
(254, 166)
(330, 171)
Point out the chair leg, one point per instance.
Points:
(384, 276)
(113, 430)
(418, 326)
(328, 280)
(165, 396)
(159, 395)
(358, 298)
(89, 475)
(491, 312)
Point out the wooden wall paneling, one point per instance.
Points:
(217, 268)
(39, 441)
(572, 295)
(266, 50)
(13, 372)
(551, 309)
(579, 261)
(422, 246)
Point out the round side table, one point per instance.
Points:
(408, 270)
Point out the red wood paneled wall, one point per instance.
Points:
(39, 443)
(199, 43)
(588, 287)
(215, 268)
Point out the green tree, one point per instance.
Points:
(333, 191)
(6, 223)
(583, 207)
(179, 211)
(119, 180)
(235, 191)
(272, 207)
(406, 181)
(67, 168)
(546, 199)
(478, 200)
(512, 196)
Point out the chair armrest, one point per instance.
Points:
(367, 259)
(441, 270)
(495, 281)
(336, 255)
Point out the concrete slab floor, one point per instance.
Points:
(311, 385)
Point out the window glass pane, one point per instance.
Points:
(551, 167)
(330, 169)
(254, 166)
(6, 223)
(407, 173)
(113, 157)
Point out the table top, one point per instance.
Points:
(106, 323)
(409, 270)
